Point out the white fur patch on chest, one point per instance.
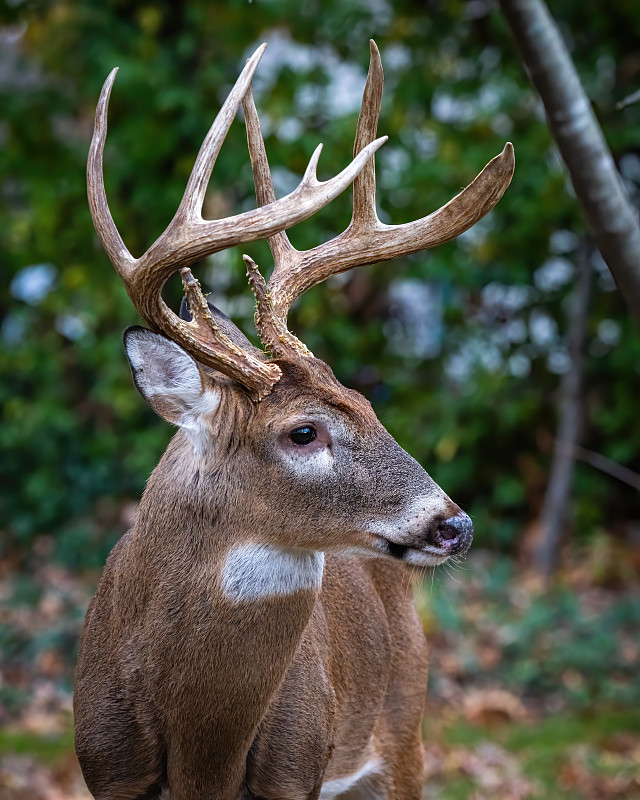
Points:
(254, 571)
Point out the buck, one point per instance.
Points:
(253, 635)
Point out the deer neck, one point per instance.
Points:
(201, 544)
(236, 606)
(192, 517)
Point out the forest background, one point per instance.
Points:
(462, 350)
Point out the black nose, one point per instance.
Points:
(455, 534)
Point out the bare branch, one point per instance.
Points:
(608, 466)
(629, 100)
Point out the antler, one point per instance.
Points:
(189, 238)
(366, 240)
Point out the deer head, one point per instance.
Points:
(270, 440)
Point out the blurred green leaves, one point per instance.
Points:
(76, 442)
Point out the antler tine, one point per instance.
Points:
(190, 207)
(367, 240)
(112, 242)
(364, 186)
(193, 199)
(189, 238)
(281, 248)
(272, 330)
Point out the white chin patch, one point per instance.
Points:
(255, 571)
(420, 558)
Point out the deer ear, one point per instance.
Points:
(168, 378)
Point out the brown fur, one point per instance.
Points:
(183, 691)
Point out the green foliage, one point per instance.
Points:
(45, 748)
(76, 443)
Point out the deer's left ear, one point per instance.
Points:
(168, 378)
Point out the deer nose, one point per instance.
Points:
(455, 534)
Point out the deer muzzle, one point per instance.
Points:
(430, 544)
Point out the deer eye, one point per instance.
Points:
(303, 435)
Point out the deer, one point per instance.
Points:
(253, 635)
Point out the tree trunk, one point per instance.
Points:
(611, 218)
(570, 418)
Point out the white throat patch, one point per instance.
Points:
(254, 571)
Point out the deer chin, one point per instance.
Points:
(422, 556)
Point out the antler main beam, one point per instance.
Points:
(189, 237)
(366, 240)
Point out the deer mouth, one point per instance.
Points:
(449, 537)
(417, 556)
